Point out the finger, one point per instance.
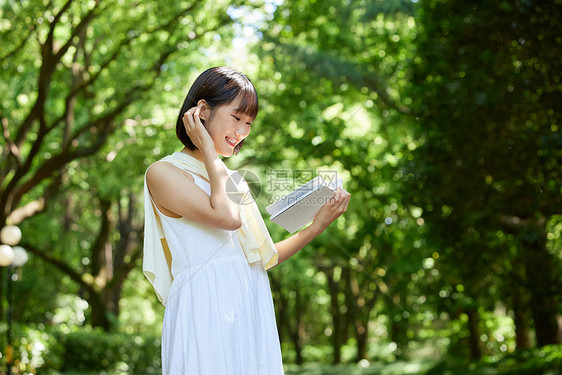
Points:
(187, 115)
(341, 203)
(342, 194)
(348, 198)
(197, 117)
(189, 118)
(337, 196)
(185, 120)
(333, 200)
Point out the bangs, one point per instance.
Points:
(248, 101)
(219, 86)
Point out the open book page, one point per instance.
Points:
(299, 207)
(296, 195)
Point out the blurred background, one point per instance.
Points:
(443, 118)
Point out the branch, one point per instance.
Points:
(6, 198)
(126, 242)
(125, 227)
(85, 84)
(102, 236)
(19, 47)
(36, 206)
(14, 150)
(30, 209)
(76, 73)
(60, 264)
(56, 19)
(105, 127)
(330, 66)
(120, 276)
(47, 68)
(124, 42)
(10, 198)
(514, 223)
(77, 30)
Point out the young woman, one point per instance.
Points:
(205, 254)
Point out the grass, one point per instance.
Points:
(541, 361)
(395, 368)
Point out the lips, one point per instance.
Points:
(231, 141)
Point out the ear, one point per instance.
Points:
(204, 109)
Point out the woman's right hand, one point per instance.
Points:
(197, 132)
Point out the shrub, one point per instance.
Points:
(95, 350)
(79, 349)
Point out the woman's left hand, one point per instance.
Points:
(333, 209)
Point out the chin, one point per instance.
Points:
(226, 154)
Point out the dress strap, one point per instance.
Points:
(200, 181)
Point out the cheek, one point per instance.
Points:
(214, 130)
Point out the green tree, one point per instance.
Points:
(82, 69)
(485, 171)
(331, 86)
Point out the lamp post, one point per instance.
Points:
(10, 256)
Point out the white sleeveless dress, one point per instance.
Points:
(219, 317)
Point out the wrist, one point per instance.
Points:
(208, 153)
(317, 228)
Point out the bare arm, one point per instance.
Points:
(219, 200)
(176, 194)
(290, 246)
(174, 191)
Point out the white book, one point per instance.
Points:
(299, 207)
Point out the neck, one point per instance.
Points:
(194, 153)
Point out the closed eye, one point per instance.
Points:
(238, 119)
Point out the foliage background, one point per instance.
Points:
(441, 117)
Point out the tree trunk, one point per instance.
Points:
(522, 338)
(559, 318)
(359, 305)
(113, 300)
(361, 336)
(1, 294)
(543, 288)
(362, 328)
(334, 309)
(99, 312)
(295, 332)
(351, 302)
(474, 337)
(398, 331)
(299, 329)
(280, 305)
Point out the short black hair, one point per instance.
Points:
(219, 86)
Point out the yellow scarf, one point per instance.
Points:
(253, 235)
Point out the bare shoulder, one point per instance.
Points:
(176, 194)
(166, 184)
(162, 172)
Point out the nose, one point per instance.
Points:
(242, 131)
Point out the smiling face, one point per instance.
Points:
(228, 126)
(228, 102)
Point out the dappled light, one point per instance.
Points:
(441, 117)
